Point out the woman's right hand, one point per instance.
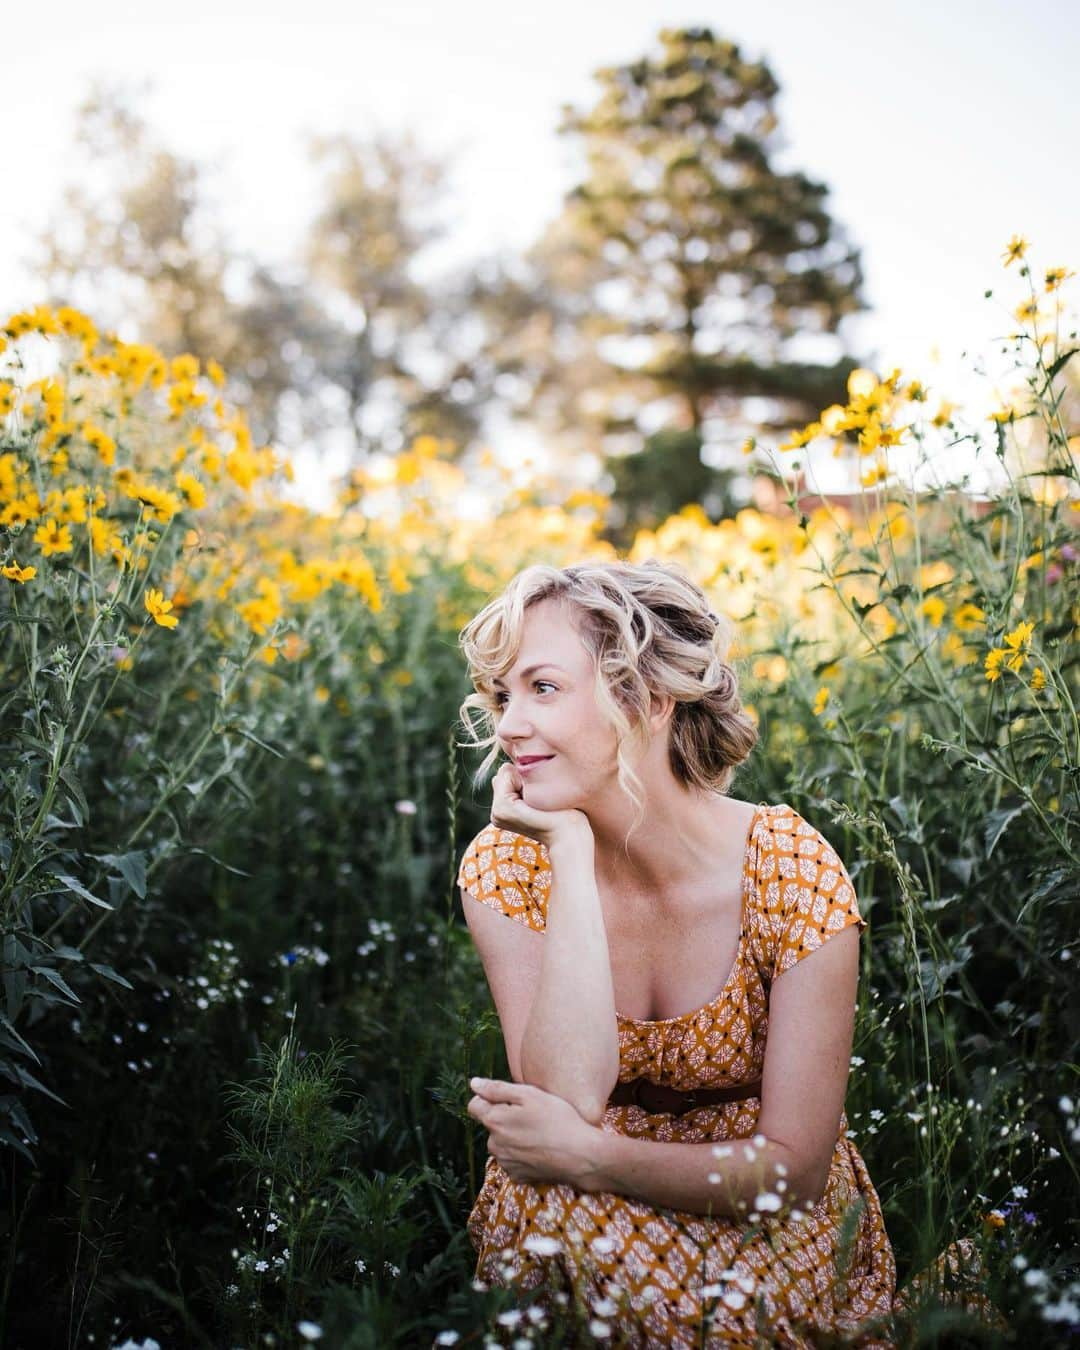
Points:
(510, 811)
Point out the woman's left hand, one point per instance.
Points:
(534, 1135)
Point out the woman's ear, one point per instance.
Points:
(661, 711)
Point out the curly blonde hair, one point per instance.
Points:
(649, 630)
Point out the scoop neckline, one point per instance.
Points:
(736, 963)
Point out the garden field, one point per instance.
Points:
(240, 1004)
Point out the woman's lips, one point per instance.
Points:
(535, 764)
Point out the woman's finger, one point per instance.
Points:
(497, 1090)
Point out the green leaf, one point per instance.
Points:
(78, 797)
(110, 974)
(997, 823)
(250, 736)
(6, 1137)
(1061, 362)
(27, 1079)
(132, 867)
(57, 980)
(8, 1030)
(81, 890)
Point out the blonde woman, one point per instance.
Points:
(673, 1143)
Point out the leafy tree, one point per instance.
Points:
(685, 276)
(346, 340)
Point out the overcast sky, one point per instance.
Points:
(940, 129)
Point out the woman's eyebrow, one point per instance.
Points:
(542, 665)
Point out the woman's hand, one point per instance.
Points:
(534, 1135)
(510, 811)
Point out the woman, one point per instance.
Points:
(673, 1144)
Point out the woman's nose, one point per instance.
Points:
(512, 724)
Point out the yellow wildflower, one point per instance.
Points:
(183, 395)
(21, 510)
(158, 607)
(184, 367)
(1029, 310)
(217, 375)
(192, 489)
(943, 414)
(994, 658)
(101, 442)
(934, 609)
(821, 700)
(1055, 276)
(1016, 248)
(968, 617)
(1038, 679)
(104, 537)
(7, 397)
(1017, 643)
(77, 325)
(53, 538)
(14, 572)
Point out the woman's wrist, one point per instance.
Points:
(591, 1170)
(572, 845)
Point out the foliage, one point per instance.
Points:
(231, 939)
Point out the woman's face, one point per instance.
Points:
(552, 711)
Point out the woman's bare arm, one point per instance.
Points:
(570, 1045)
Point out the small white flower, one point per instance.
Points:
(605, 1307)
(1020, 1192)
(260, 1266)
(311, 1331)
(759, 1140)
(361, 1264)
(1036, 1279)
(1065, 1104)
(405, 807)
(715, 1178)
(599, 1329)
(1066, 1309)
(1052, 1153)
(447, 1338)
(510, 1318)
(722, 1151)
(857, 1061)
(395, 1271)
(767, 1201)
(535, 1315)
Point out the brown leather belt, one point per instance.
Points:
(660, 1100)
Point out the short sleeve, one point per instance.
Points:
(508, 872)
(808, 895)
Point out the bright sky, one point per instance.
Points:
(940, 129)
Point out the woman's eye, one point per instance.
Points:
(501, 694)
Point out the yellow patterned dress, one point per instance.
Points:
(669, 1272)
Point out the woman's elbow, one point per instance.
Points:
(810, 1182)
